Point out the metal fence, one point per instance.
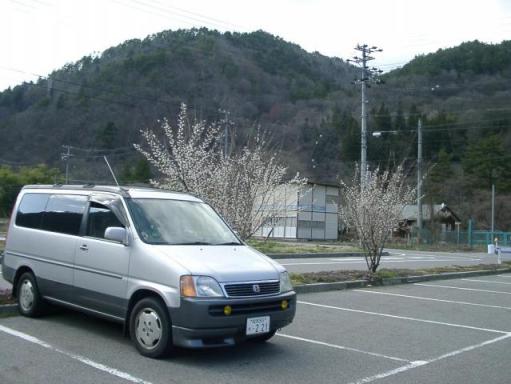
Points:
(462, 238)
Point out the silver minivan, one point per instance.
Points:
(164, 264)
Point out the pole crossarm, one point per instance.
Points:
(368, 74)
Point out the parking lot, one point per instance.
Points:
(452, 331)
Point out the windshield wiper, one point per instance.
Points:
(229, 243)
(193, 243)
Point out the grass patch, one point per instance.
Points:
(4, 315)
(272, 246)
(340, 276)
(327, 277)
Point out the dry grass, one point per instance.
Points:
(339, 276)
(272, 246)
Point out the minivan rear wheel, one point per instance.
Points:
(150, 328)
(30, 303)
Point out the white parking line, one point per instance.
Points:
(506, 276)
(402, 317)
(432, 299)
(82, 359)
(363, 262)
(462, 289)
(342, 347)
(487, 281)
(420, 363)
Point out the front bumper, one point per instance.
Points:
(201, 323)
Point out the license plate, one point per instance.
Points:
(257, 325)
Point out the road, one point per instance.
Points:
(453, 331)
(396, 259)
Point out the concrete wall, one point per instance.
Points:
(305, 212)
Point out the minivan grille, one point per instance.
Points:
(252, 289)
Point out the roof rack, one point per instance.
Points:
(75, 187)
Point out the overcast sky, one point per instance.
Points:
(38, 36)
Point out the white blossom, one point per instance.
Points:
(375, 210)
(190, 159)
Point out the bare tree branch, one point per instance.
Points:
(239, 186)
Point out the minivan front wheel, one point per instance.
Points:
(150, 328)
(30, 302)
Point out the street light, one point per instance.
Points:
(419, 173)
(380, 133)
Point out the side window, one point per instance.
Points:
(99, 219)
(64, 213)
(31, 209)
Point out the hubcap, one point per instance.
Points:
(148, 328)
(26, 297)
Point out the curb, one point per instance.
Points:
(277, 256)
(341, 285)
(9, 309)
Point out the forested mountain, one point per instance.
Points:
(103, 102)
(306, 101)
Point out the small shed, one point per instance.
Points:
(437, 214)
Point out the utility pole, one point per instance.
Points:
(65, 157)
(226, 122)
(492, 210)
(419, 180)
(368, 74)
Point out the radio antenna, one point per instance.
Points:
(111, 170)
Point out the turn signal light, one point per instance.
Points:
(227, 310)
(284, 304)
(188, 286)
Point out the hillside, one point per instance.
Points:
(103, 102)
(305, 100)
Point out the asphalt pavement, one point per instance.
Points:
(452, 331)
(395, 259)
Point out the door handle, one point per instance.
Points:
(84, 247)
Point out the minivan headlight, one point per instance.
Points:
(200, 286)
(285, 282)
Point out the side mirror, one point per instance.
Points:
(117, 234)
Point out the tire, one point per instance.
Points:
(150, 328)
(30, 302)
(264, 338)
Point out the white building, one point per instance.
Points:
(307, 212)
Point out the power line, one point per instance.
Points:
(202, 15)
(184, 14)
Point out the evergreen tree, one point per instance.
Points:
(487, 162)
(439, 177)
(106, 136)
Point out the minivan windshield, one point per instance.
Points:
(179, 222)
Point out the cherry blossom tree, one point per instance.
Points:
(374, 209)
(191, 159)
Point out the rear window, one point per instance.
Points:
(31, 209)
(64, 214)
